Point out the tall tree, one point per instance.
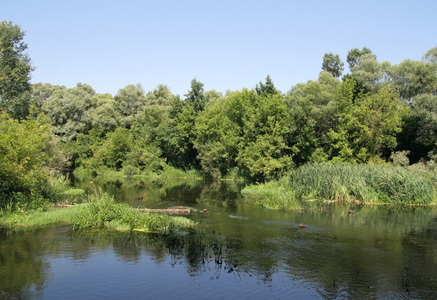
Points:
(15, 69)
(371, 74)
(268, 88)
(312, 109)
(69, 109)
(430, 56)
(366, 127)
(333, 64)
(196, 95)
(160, 96)
(354, 56)
(412, 78)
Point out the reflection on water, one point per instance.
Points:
(343, 252)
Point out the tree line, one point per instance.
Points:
(377, 112)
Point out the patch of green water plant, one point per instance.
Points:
(101, 211)
(98, 211)
(364, 183)
(273, 195)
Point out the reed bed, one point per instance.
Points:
(364, 183)
(347, 183)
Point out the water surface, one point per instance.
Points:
(343, 252)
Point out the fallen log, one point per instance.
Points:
(169, 211)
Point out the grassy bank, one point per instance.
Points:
(359, 183)
(97, 211)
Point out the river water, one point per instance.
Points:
(344, 252)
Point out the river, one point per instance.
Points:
(346, 252)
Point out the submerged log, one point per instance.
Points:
(169, 211)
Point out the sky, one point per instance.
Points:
(227, 45)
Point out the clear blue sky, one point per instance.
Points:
(224, 44)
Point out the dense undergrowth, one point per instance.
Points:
(348, 183)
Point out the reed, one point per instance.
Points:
(276, 194)
(347, 183)
(364, 183)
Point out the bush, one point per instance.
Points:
(27, 150)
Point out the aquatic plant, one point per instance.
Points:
(348, 183)
(276, 194)
(102, 211)
(364, 183)
(98, 211)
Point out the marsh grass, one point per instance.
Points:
(275, 194)
(343, 183)
(365, 183)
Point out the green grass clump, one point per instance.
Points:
(273, 195)
(98, 211)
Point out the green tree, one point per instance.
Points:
(27, 150)
(371, 74)
(246, 131)
(412, 78)
(268, 88)
(15, 69)
(41, 92)
(104, 114)
(430, 56)
(217, 139)
(354, 56)
(129, 102)
(366, 127)
(312, 108)
(332, 64)
(160, 96)
(68, 110)
(196, 96)
(113, 152)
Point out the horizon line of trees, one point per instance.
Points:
(367, 115)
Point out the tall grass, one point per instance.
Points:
(275, 194)
(364, 183)
(358, 183)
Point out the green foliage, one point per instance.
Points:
(244, 130)
(354, 56)
(161, 96)
(412, 78)
(129, 101)
(27, 149)
(68, 110)
(366, 126)
(129, 170)
(371, 74)
(113, 152)
(104, 115)
(400, 158)
(196, 96)
(268, 88)
(101, 210)
(312, 107)
(15, 69)
(332, 64)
